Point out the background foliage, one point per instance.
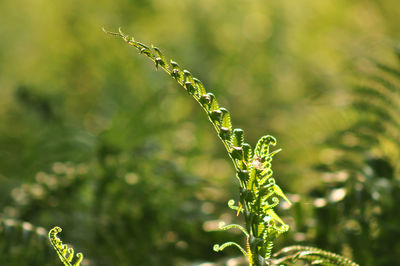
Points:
(95, 141)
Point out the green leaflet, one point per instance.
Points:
(160, 59)
(247, 152)
(176, 72)
(237, 137)
(215, 117)
(213, 104)
(226, 119)
(200, 90)
(225, 123)
(278, 191)
(236, 141)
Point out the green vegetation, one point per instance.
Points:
(96, 142)
(65, 254)
(259, 193)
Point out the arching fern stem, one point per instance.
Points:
(259, 193)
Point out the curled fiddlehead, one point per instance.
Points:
(65, 254)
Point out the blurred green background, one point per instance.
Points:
(94, 140)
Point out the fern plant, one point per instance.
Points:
(259, 193)
(21, 241)
(65, 254)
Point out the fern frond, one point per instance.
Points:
(65, 254)
(369, 149)
(263, 144)
(230, 226)
(218, 248)
(311, 255)
(231, 204)
(253, 168)
(375, 103)
(388, 69)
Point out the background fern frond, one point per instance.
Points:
(22, 242)
(312, 255)
(365, 175)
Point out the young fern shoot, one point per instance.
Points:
(65, 254)
(259, 193)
